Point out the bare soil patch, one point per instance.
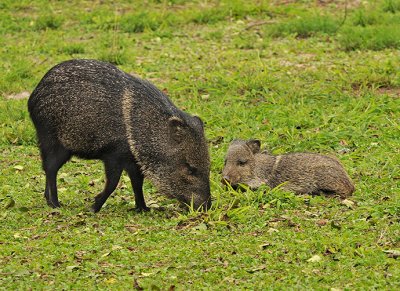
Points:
(395, 92)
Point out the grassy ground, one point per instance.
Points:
(319, 76)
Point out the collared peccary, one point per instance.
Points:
(300, 172)
(93, 110)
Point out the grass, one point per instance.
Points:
(306, 27)
(281, 73)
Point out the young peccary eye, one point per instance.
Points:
(242, 162)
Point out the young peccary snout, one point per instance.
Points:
(298, 172)
(93, 110)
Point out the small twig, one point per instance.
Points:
(259, 23)
(345, 15)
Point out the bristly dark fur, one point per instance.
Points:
(93, 110)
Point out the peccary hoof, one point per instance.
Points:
(142, 209)
(95, 208)
(53, 205)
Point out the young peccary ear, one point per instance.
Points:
(254, 145)
(176, 128)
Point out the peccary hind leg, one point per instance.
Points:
(53, 159)
(113, 171)
(136, 176)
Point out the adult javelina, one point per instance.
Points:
(93, 110)
(301, 172)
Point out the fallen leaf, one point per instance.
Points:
(201, 226)
(71, 268)
(314, 259)
(21, 95)
(344, 151)
(18, 167)
(265, 245)
(133, 228)
(393, 253)
(256, 269)
(271, 230)
(105, 254)
(110, 281)
(116, 247)
(348, 203)
(322, 222)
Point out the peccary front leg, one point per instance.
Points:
(113, 171)
(136, 176)
(53, 159)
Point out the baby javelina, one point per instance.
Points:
(298, 172)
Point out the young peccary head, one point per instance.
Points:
(240, 163)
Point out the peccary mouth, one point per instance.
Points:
(225, 182)
(194, 201)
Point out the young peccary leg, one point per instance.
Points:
(52, 161)
(136, 176)
(113, 173)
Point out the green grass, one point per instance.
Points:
(293, 75)
(306, 27)
(371, 38)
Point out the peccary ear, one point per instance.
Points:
(199, 121)
(176, 128)
(254, 145)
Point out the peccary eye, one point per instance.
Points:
(191, 170)
(241, 162)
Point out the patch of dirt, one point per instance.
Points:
(395, 92)
(17, 96)
(384, 89)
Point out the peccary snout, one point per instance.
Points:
(225, 180)
(186, 175)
